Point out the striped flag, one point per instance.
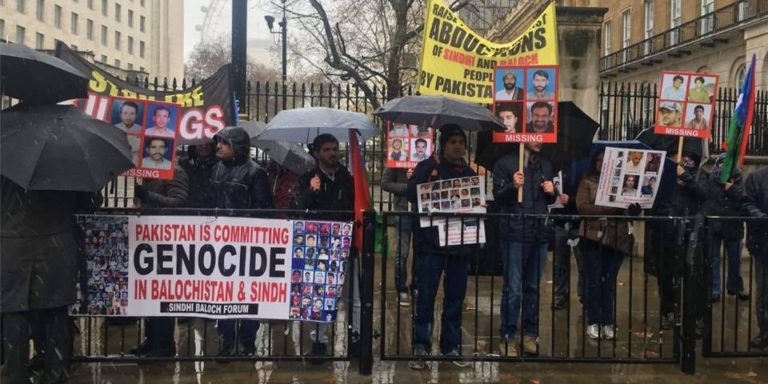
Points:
(740, 125)
(362, 194)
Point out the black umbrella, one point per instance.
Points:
(574, 137)
(59, 148)
(435, 111)
(38, 78)
(670, 143)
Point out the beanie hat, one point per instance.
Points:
(449, 130)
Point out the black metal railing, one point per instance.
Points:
(709, 25)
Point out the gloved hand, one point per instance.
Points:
(634, 210)
(140, 192)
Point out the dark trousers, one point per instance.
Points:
(561, 270)
(761, 289)
(247, 334)
(601, 266)
(159, 332)
(57, 328)
(429, 269)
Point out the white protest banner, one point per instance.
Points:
(463, 194)
(210, 267)
(629, 176)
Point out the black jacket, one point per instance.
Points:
(534, 199)
(199, 172)
(427, 171)
(240, 183)
(714, 201)
(754, 201)
(167, 193)
(334, 195)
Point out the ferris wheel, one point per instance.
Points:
(217, 18)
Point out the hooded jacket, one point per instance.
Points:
(199, 172)
(334, 195)
(239, 183)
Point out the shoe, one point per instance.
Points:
(530, 346)
(715, 297)
(608, 332)
(459, 361)
(405, 300)
(668, 320)
(223, 353)
(164, 352)
(36, 363)
(593, 331)
(419, 353)
(142, 349)
(741, 295)
(559, 302)
(354, 345)
(248, 350)
(507, 349)
(318, 349)
(760, 341)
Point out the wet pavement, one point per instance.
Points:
(646, 350)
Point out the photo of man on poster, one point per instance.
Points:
(396, 150)
(420, 150)
(157, 154)
(697, 121)
(669, 114)
(509, 90)
(698, 93)
(509, 114)
(538, 85)
(162, 122)
(540, 118)
(673, 87)
(129, 113)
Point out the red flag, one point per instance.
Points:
(362, 195)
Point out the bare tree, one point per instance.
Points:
(367, 42)
(208, 57)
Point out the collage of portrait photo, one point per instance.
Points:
(318, 268)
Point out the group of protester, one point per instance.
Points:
(600, 245)
(41, 255)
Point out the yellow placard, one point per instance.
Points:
(458, 62)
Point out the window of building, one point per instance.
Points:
(626, 33)
(90, 4)
(117, 40)
(130, 66)
(141, 49)
(104, 8)
(104, 35)
(142, 21)
(142, 3)
(74, 21)
(648, 29)
(57, 16)
(130, 45)
(89, 29)
(607, 37)
(674, 21)
(20, 34)
(2, 29)
(708, 22)
(118, 12)
(39, 40)
(104, 59)
(738, 77)
(130, 18)
(21, 6)
(117, 63)
(40, 11)
(141, 69)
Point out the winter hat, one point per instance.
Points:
(449, 130)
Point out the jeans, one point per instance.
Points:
(561, 269)
(733, 253)
(523, 265)
(228, 328)
(404, 227)
(430, 266)
(601, 266)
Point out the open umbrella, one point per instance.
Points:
(435, 111)
(574, 137)
(59, 148)
(38, 78)
(302, 125)
(290, 155)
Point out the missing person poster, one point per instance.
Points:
(213, 267)
(629, 176)
(206, 107)
(525, 100)
(687, 104)
(407, 145)
(458, 62)
(465, 194)
(152, 131)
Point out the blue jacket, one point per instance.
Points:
(426, 171)
(534, 199)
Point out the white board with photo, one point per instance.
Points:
(629, 176)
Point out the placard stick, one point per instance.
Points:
(520, 168)
(680, 149)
